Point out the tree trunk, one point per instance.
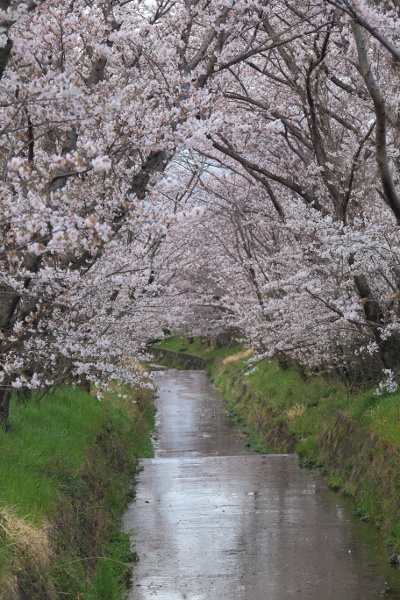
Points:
(5, 396)
(24, 394)
(389, 351)
(84, 383)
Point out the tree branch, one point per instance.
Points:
(381, 123)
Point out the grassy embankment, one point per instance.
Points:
(354, 437)
(67, 466)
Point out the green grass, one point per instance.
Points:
(45, 448)
(67, 467)
(382, 415)
(267, 396)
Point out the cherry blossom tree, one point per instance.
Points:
(329, 141)
(224, 166)
(96, 100)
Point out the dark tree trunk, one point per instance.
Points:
(9, 300)
(84, 383)
(4, 56)
(5, 396)
(24, 394)
(389, 351)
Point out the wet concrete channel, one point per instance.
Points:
(213, 520)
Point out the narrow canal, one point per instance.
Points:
(214, 521)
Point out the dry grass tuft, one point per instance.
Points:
(297, 410)
(28, 549)
(9, 587)
(135, 367)
(239, 356)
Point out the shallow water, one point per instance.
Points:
(212, 520)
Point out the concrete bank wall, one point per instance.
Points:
(177, 360)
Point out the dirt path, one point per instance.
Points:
(214, 521)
